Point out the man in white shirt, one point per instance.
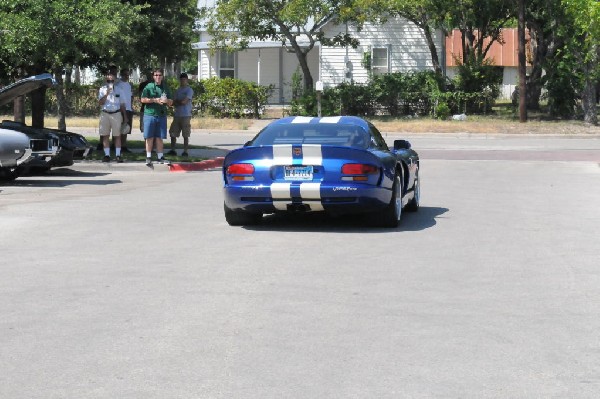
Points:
(112, 102)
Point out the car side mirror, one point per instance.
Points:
(401, 145)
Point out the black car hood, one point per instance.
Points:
(25, 86)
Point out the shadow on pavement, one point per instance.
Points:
(65, 172)
(321, 222)
(28, 182)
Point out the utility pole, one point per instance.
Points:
(522, 64)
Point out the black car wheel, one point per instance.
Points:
(241, 218)
(414, 203)
(390, 216)
(9, 174)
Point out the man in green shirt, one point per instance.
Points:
(156, 97)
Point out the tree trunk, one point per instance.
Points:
(308, 79)
(38, 102)
(588, 96)
(432, 49)
(522, 64)
(60, 99)
(19, 109)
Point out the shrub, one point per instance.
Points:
(442, 111)
(481, 81)
(356, 99)
(233, 97)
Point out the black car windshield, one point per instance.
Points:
(333, 134)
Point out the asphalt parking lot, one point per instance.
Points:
(124, 281)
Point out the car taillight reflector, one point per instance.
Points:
(359, 169)
(240, 169)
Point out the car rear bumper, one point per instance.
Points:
(306, 197)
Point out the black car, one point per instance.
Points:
(71, 146)
(50, 147)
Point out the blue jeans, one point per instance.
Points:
(155, 127)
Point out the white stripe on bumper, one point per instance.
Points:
(310, 193)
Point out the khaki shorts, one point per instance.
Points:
(181, 124)
(110, 123)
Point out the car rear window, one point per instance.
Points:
(305, 133)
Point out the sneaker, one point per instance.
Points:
(148, 161)
(163, 160)
(184, 154)
(172, 152)
(106, 158)
(119, 159)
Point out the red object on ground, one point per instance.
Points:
(197, 166)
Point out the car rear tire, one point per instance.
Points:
(414, 203)
(390, 216)
(9, 174)
(241, 218)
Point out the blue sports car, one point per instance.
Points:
(340, 165)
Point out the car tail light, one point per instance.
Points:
(360, 171)
(243, 169)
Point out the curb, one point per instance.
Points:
(196, 166)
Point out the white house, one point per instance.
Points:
(397, 46)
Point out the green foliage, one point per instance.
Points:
(45, 36)
(233, 97)
(40, 36)
(480, 77)
(563, 82)
(356, 99)
(166, 34)
(306, 104)
(442, 111)
(406, 93)
(395, 94)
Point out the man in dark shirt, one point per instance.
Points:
(156, 97)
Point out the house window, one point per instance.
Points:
(380, 60)
(226, 64)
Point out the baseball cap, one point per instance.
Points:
(183, 75)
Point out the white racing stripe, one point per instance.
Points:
(330, 119)
(312, 155)
(281, 191)
(302, 119)
(282, 154)
(310, 191)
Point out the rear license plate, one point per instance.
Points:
(298, 172)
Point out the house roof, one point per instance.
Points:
(258, 44)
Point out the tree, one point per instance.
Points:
(480, 23)
(543, 19)
(585, 46)
(47, 35)
(165, 33)
(233, 23)
(54, 35)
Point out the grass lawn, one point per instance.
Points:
(503, 119)
(138, 153)
(197, 122)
